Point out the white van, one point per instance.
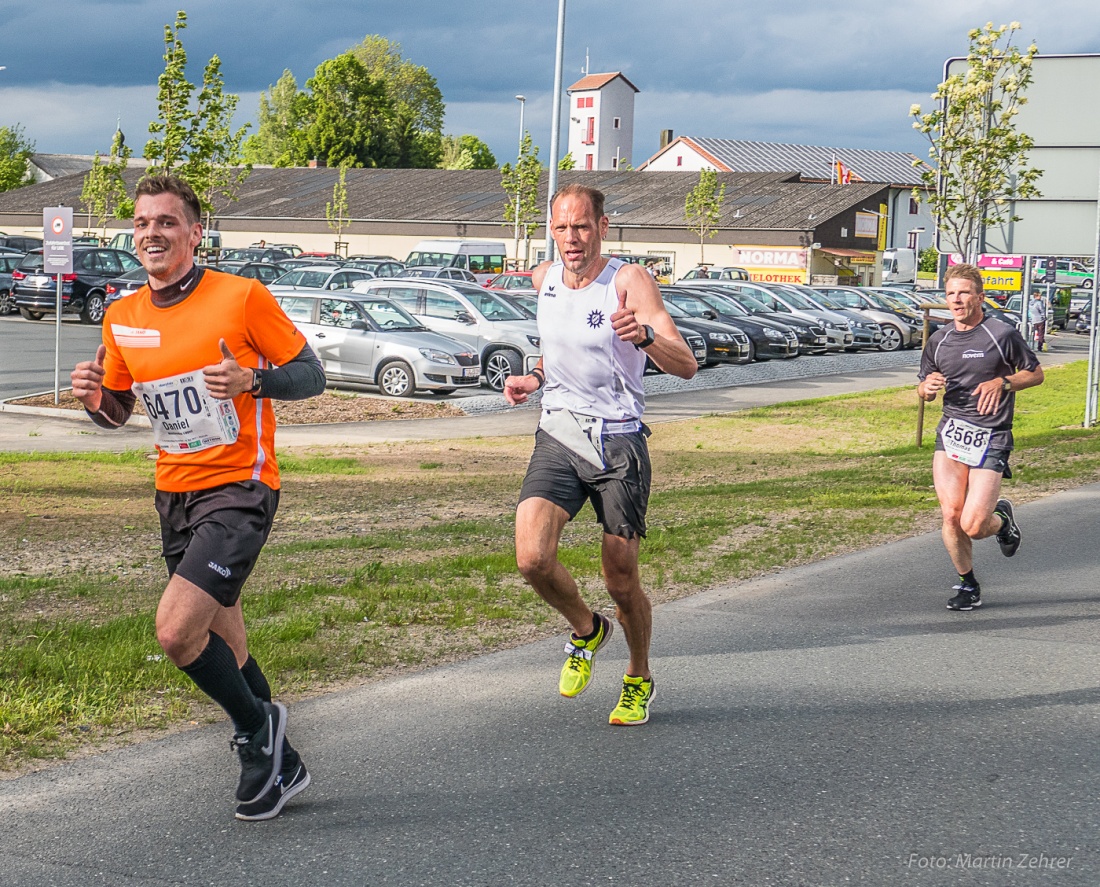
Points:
(483, 258)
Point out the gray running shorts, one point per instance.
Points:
(213, 537)
(619, 492)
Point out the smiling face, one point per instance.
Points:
(165, 238)
(578, 235)
(964, 298)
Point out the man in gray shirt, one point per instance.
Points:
(978, 363)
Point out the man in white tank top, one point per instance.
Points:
(598, 321)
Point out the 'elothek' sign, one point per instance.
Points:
(57, 240)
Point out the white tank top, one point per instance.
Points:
(589, 369)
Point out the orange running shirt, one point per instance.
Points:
(146, 343)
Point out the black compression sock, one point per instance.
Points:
(968, 579)
(254, 677)
(217, 674)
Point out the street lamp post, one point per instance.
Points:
(555, 127)
(914, 244)
(519, 154)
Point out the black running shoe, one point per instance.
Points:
(292, 779)
(261, 754)
(969, 597)
(1008, 537)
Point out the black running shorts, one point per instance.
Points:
(213, 537)
(619, 492)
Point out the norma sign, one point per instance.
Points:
(57, 240)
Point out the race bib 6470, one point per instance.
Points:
(185, 418)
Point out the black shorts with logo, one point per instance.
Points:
(212, 538)
(619, 492)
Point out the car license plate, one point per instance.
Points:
(471, 372)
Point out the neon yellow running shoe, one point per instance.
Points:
(577, 671)
(633, 707)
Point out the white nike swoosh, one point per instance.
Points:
(270, 747)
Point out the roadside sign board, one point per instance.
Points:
(57, 240)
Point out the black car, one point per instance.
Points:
(83, 292)
(254, 254)
(20, 242)
(126, 284)
(769, 339)
(265, 272)
(811, 335)
(725, 343)
(8, 263)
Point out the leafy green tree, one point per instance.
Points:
(278, 120)
(703, 206)
(980, 158)
(929, 260)
(416, 122)
(196, 142)
(466, 152)
(167, 153)
(336, 212)
(15, 151)
(521, 182)
(215, 167)
(567, 162)
(348, 118)
(104, 193)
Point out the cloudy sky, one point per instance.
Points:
(840, 74)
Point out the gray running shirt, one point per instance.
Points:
(966, 359)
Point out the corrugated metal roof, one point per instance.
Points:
(812, 161)
(754, 200)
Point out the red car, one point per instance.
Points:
(509, 281)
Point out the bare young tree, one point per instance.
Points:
(703, 206)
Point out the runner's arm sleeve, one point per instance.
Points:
(302, 377)
(115, 408)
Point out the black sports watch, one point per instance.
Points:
(650, 336)
(1007, 386)
(257, 381)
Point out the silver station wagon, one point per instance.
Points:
(372, 341)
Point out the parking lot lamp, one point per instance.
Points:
(519, 155)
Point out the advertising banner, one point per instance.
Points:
(771, 264)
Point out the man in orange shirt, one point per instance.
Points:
(206, 352)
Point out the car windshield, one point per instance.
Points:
(390, 317)
(797, 300)
(746, 301)
(675, 310)
(241, 255)
(491, 305)
(302, 277)
(845, 298)
(724, 304)
(691, 305)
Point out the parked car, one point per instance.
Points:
(865, 332)
(783, 299)
(1067, 272)
(125, 285)
(769, 339)
(900, 329)
(379, 267)
(483, 258)
(719, 273)
(368, 340)
(811, 334)
(265, 272)
(723, 343)
(508, 281)
(20, 242)
(319, 277)
(8, 263)
(300, 262)
(438, 272)
(254, 254)
(83, 292)
(528, 300)
(506, 339)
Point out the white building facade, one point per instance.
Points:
(601, 121)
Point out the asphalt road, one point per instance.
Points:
(28, 349)
(832, 724)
